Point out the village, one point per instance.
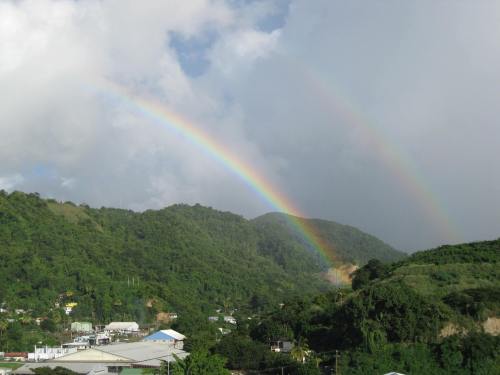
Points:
(113, 348)
(117, 348)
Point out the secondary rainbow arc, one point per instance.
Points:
(392, 157)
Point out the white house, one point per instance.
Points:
(44, 353)
(229, 319)
(122, 327)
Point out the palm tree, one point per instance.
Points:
(300, 351)
(3, 326)
(184, 365)
(25, 319)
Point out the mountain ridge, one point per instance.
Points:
(184, 257)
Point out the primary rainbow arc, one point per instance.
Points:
(159, 113)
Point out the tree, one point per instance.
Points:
(48, 325)
(374, 269)
(242, 352)
(309, 368)
(4, 324)
(198, 363)
(300, 351)
(56, 371)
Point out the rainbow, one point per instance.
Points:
(160, 113)
(394, 158)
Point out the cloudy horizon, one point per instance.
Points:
(380, 115)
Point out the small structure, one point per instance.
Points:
(213, 319)
(5, 370)
(16, 356)
(44, 353)
(166, 317)
(40, 319)
(229, 319)
(282, 346)
(168, 336)
(224, 331)
(81, 327)
(78, 343)
(122, 327)
(68, 308)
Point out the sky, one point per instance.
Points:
(383, 115)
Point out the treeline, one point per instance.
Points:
(383, 324)
(122, 265)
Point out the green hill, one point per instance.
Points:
(450, 268)
(120, 264)
(351, 245)
(435, 312)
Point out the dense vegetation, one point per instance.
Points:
(349, 245)
(122, 265)
(386, 323)
(423, 314)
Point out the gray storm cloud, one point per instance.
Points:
(311, 104)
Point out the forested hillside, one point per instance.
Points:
(119, 264)
(350, 244)
(436, 312)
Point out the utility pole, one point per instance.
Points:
(337, 360)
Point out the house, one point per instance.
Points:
(81, 327)
(122, 327)
(173, 316)
(45, 352)
(168, 336)
(16, 356)
(229, 319)
(68, 308)
(224, 331)
(166, 317)
(78, 343)
(40, 319)
(282, 346)
(111, 358)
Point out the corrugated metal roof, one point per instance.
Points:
(122, 326)
(166, 335)
(141, 351)
(176, 335)
(157, 362)
(159, 336)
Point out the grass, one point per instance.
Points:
(440, 280)
(11, 365)
(74, 214)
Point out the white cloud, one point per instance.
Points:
(425, 86)
(9, 183)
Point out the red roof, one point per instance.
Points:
(16, 354)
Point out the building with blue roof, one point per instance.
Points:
(168, 336)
